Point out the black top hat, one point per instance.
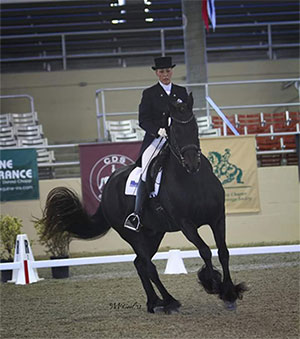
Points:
(163, 62)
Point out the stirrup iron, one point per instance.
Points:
(133, 226)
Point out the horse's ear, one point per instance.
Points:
(190, 101)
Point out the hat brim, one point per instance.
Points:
(155, 68)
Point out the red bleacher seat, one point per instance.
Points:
(273, 118)
(293, 118)
(264, 123)
(268, 143)
(289, 141)
(291, 159)
(282, 127)
(268, 160)
(217, 121)
(248, 119)
(255, 129)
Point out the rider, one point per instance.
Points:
(153, 119)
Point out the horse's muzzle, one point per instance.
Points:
(193, 169)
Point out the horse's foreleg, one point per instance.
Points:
(209, 277)
(229, 292)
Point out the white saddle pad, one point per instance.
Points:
(134, 178)
(132, 181)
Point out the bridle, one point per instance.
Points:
(184, 121)
(176, 150)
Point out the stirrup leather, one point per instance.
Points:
(132, 222)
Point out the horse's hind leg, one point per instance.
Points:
(209, 277)
(168, 303)
(144, 251)
(145, 247)
(229, 292)
(154, 303)
(146, 269)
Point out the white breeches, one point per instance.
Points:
(150, 152)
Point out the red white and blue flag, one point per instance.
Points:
(209, 13)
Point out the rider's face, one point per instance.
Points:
(164, 75)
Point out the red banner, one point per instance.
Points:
(97, 163)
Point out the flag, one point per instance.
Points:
(209, 13)
(205, 14)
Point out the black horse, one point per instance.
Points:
(190, 196)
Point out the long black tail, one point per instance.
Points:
(64, 213)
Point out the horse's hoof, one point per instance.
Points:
(172, 311)
(230, 306)
(173, 307)
(158, 309)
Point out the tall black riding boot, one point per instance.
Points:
(133, 220)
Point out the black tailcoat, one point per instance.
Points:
(153, 110)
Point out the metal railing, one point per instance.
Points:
(77, 163)
(269, 46)
(102, 114)
(21, 96)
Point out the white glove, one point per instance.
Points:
(162, 132)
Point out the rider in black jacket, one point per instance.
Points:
(153, 119)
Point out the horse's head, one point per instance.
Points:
(183, 135)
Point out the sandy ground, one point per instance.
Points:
(107, 301)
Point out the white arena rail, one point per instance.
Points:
(158, 256)
(25, 267)
(161, 256)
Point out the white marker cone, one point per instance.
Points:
(23, 254)
(175, 264)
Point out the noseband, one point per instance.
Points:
(179, 152)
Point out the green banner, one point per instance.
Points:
(18, 175)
